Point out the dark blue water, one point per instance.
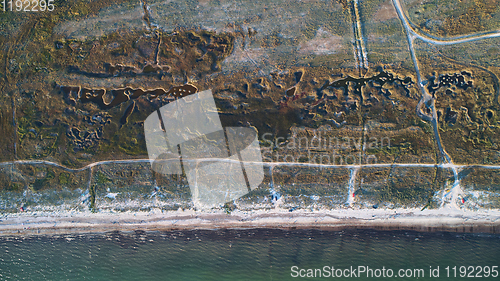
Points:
(249, 255)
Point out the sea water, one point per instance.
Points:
(249, 254)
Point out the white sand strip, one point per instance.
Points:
(445, 219)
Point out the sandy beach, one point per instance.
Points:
(445, 219)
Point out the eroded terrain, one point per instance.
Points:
(330, 87)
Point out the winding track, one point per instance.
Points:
(409, 27)
(427, 100)
(266, 164)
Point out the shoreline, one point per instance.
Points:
(440, 220)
